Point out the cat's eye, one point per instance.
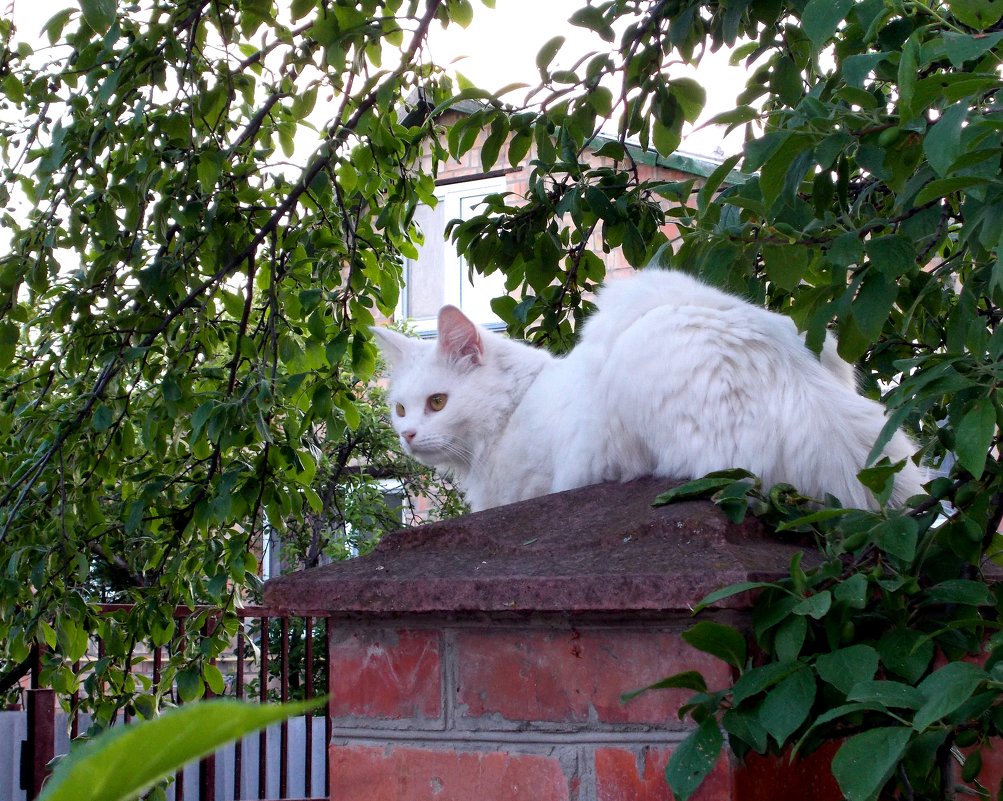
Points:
(436, 402)
(399, 408)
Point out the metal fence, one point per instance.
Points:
(285, 761)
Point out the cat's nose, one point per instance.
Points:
(409, 435)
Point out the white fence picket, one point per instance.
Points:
(14, 727)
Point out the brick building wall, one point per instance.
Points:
(510, 711)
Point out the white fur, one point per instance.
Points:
(671, 378)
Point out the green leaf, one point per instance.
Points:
(694, 759)
(214, 678)
(601, 99)
(898, 536)
(787, 705)
(714, 181)
(962, 47)
(724, 642)
(734, 117)
(300, 8)
(666, 138)
(852, 591)
(880, 478)
(592, 17)
(745, 725)
(785, 81)
(125, 760)
(857, 67)
(54, 27)
(99, 14)
(754, 681)
(14, 89)
(945, 690)
(690, 95)
(9, 334)
(866, 761)
(873, 304)
(493, 144)
(959, 591)
(698, 488)
(906, 653)
(547, 53)
(687, 680)
(190, 684)
(635, 248)
(519, 146)
(942, 187)
(846, 667)
(758, 151)
(786, 266)
(815, 606)
(974, 436)
(907, 75)
(208, 170)
(887, 693)
(893, 255)
(978, 14)
(820, 516)
(942, 144)
(789, 638)
(730, 590)
(838, 712)
(461, 12)
(783, 171)
(820, 19)
(103, 418)
(73, 638)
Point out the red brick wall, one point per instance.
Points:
(509, 712)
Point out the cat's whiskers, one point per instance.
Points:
(458, 449)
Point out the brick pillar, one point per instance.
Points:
(483, 658)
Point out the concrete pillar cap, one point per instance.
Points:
(598, 549)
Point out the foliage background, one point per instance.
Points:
(183, 313)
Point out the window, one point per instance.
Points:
(439, 276)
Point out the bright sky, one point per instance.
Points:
(499, 48)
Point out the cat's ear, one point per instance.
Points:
(459, 338)
(395, 347)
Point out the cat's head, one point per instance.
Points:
(444, 395)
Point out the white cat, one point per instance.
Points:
(670, 378)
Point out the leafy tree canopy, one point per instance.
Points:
(182, 311)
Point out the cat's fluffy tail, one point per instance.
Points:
(909, 481)
(835, 364)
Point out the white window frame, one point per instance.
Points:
(271, 553)
(451, 197)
